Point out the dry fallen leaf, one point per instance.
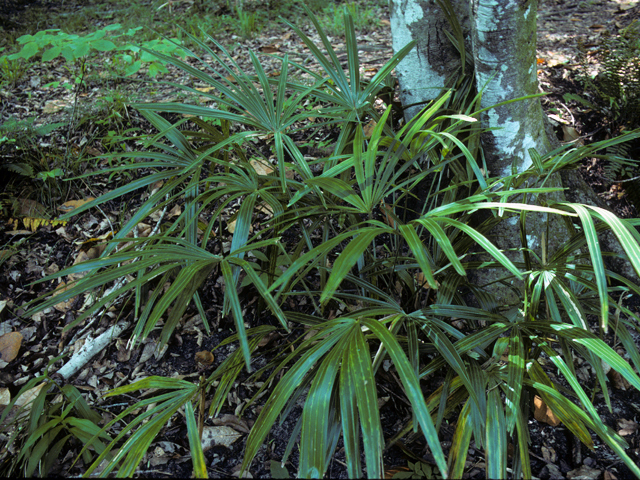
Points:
(148, 351)
(22, 406)
(609, 476)
(205, 89)
(218, 435)
(270, 49)
(237, 472)
(124, 353)
(627, 427)
(73, 204)
(159, 457)
(174, 212)
(64, 306)
(5, 396)
(584, 473)
(53, 106)
(6, 255)
(543, 413)
(369, 127)
(10, 345)
(232, 421)
(556, 59)
(570, 134)
(261, 168)
(422, 281)
(388, 214)
(549, 454)
(80, 258)
(31, 208)
(618, 381)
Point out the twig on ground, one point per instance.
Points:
(90, 349)
(94, 346)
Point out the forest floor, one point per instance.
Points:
(566, 31)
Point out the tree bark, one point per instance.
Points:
(423, 73)
(502, 37)
(504, 52)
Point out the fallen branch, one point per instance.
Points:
(90, 349)
(93, 346)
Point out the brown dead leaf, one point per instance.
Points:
(310, 334)
(556, 59)
(265, 208)
(174, 212)
(627, 427)
(22, 406)
(148, 351)
(63, 306)
(31, 208)
(549, 454)
(10, 345)
(73, 204)
(388, 214)
(219, 435)
(369, 128)
(268, 339)
(205, 357)
(584, 473)
(543, 413)
(5, 397)
(53, 106)
(270, 48)
(609, 476)
(289, 172)
(95, 252)
(154, 187)
(422, 281)
(124, 353)
(236, 472)
(618, 381)
(232, 421)
(261, 167)
(80, 258)
(29, 396)
(205, 89)
(159, 457)
(570, 134)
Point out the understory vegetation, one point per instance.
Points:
(379, 237)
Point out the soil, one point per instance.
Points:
(565, 27)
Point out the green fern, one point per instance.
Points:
(619, 165)
(19, 168)
(616, 84)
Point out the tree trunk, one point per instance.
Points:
(423, 73)
(502, 37)
(504, 52)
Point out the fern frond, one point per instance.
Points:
(19, 168)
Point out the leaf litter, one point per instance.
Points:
(27, 346)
